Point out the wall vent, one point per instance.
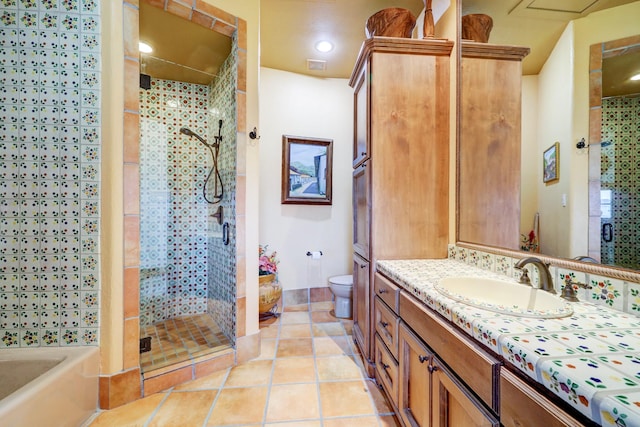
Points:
(316, 65)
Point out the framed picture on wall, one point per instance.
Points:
(551, 163)
(307, 168)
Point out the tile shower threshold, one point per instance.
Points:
(170, 376)
(199, 357)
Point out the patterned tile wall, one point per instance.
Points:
(173, 212)
(49, 172)
(620, 170)
(222, 258)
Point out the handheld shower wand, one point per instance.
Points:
(214, 168)
(189, 132)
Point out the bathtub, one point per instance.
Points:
(48, 386)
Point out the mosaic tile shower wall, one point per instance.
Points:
(222, 258)
(49, 172)
(173, 212)
(620, 173)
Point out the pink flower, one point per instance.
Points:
(267, 263)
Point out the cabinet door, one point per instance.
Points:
(453, 404)
(361, 295)
(361, 210)
(522, 406)
(414, 379)
(361, 119)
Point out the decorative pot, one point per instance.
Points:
(270, 292)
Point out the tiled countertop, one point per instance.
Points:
(591, 359)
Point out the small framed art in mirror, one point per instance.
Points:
(307, 168)
(551, 164)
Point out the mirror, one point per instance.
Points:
(555, 108)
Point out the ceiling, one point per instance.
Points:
(289, 30)
(186, 53)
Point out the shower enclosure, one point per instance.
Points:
(187, 255)
(619, 180)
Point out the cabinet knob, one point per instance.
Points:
(382, 291)
(363, 153)
(384, 324)
(384, 366)
(423, 359)
(432, 368)
(363, 265)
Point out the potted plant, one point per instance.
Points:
(270, 290)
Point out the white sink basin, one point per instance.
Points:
(501, 296)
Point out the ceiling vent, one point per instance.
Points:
(552, 9)
(316, 65)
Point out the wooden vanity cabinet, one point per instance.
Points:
(414, 391)
(385, 324)
(361, 118)
(422, 389)
(453, 405)
(478, 369)
(361, 300)
(401, 159)
(429, 394)
(522, 406)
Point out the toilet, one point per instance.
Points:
(342, 289)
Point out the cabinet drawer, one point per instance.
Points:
(387, 291)
(386, 370)
(386, 323)
(477, 368)
(522, 406)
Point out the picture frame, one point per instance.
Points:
(551, 164)
(307, 170)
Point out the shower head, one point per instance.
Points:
(189, 132)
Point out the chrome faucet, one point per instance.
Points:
(546, 281)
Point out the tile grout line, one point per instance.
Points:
(273, 366)
(215, 400)
(157, 409)
(315, 366)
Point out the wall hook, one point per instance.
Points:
(254, 134)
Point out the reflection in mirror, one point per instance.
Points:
(615, 172)
(555, 107)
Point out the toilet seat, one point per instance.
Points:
(345, 279)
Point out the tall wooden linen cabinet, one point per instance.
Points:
(401, 162)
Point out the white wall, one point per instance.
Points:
(294, 104)
(555, 99)
(530, 169)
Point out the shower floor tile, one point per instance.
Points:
(181, 339)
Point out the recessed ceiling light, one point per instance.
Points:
(636, 77)
(324, 46)
(144, 48)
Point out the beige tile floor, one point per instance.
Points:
(309, 374)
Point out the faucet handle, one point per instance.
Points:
(570, 283)
(569, 292)
(524, 278)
